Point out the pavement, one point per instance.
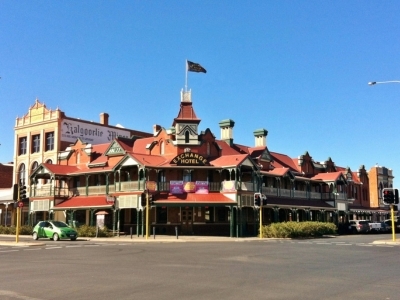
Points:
(26, 240)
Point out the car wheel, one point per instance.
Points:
(73, 239)
(354, 231)
(56, 237)
(35, 236)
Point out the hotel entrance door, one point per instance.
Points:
(187, 221)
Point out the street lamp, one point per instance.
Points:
(378, 82)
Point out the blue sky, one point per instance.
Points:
(296, 68)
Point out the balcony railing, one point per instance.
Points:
(127, 186)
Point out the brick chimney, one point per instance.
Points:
(104, 118)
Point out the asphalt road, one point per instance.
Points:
(348, 267)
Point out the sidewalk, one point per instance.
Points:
(26, 240)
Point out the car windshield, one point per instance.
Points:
(364, 222)
(59, 224)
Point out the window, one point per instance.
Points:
(35, 143)
(187, 137)
(209, 214)
(35, 165)
(21, 174)
(49, 141)
(187, 176)
(22, 146)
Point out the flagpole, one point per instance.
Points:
(186, 76)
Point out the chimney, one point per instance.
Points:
(156, 129)
(104, 118)
(260, 136)
(227, 131)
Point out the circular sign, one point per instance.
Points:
(20, 204)
(110, 199)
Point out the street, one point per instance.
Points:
(345, 267)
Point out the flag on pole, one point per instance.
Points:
(193, 67)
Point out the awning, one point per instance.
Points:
(298, 203)
(192, 199)
(6, 195)
(84, 202)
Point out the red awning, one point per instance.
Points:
(211, 199)
(83, 202)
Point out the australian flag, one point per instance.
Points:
(193, 67)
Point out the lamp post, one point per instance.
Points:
(379, 82)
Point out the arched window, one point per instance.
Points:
(21, 174)
(35, 165)
(186, 136)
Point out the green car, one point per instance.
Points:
(54, 230)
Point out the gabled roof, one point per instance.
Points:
(282, 160)
(226, 149)
(231, 160)
(277, 171)
(333, 176)
(55, 169)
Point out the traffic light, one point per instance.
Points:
(22, 192)
(389, 196)
(15, 192)
(264, 200)
(143, 199)
(151, 200)
(257, 199)
(396, 196)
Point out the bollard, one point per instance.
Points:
(154, 232)
(131, 231)
(176, 231)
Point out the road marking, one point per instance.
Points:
(388, 246)
(9, 251)
(74, 246)
(324, 243)
(91, 245)
(364, 245)
(304, 242)
(34, 249)
(344, 244)
(50, 248)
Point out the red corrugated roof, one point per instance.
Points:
(327, 176)
(83, 202)
(229, 160)
(192, 198)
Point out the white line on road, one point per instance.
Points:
(50, 248)
(9, 251)
(344, 244)
(79, 246)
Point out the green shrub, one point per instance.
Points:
(25, 230)
(90, 231)
(298, 229)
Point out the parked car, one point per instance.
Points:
(385, 228)
(375, 227)
(389, 225)
(54, 230)
(359, 226)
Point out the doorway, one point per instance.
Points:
(187, 221)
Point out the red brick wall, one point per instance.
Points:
(6, 176)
